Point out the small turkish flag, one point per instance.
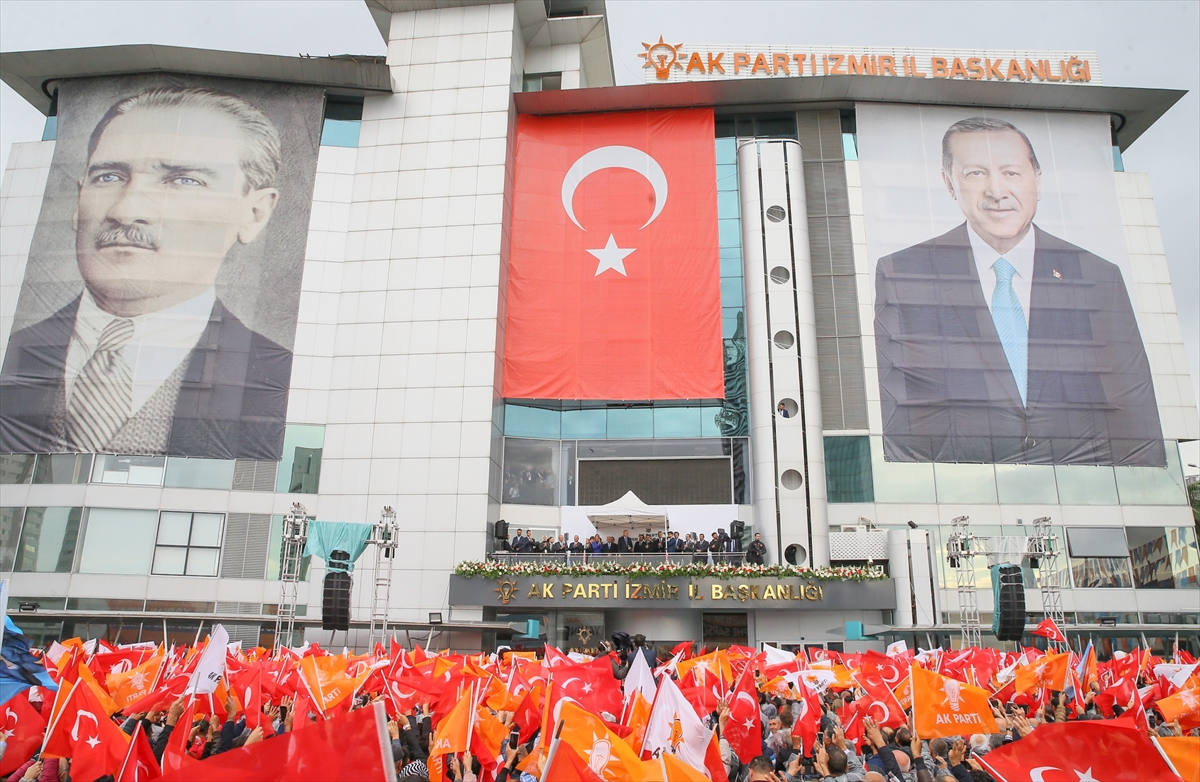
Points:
(614, 276)
(23, 732)
(744, 729)
(1048, 629)
(1089, 751)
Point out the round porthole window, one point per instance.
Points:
(787, 408)
(791, 479)
(784, 340)
(780, 274)
(776, 213)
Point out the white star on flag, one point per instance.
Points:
(611, 257)
(92, 742)
(1086, 776)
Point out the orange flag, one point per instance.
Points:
(603, 751)
(678, 771)
(487, 739)
(947, 707)
(1183, 706)
(903, 693)
(639, 717)
(450, 735)
(129, 686)
(1184, 754)
(1050, 670)
(328, 682)
(567, 766)
(86, 676)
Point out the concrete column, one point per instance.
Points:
(901, 578)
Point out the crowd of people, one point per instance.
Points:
(697, 545)
(735, 714)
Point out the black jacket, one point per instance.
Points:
(231, 405)
(948, 393)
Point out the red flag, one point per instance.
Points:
(1112, 751)
(743, 731)
(880, 703)
(247, 685)
(347, 748)
(140, 764)
(84, 733)
(24, 729)
(567, 766)
(175, 757)
(1047, 629)
(613, 280)
(879, 669)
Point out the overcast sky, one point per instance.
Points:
(1141, 44)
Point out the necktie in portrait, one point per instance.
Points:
(102, 399)
(1010, 324)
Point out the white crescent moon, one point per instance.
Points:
(887, 711)
(1035, 774)
(568, 681)
(746, 695)
(615, 157)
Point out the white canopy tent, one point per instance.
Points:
(628, 513)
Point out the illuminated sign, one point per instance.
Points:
(681, 62)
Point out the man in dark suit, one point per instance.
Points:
(147, 359)
(998, 342)
(625, 543)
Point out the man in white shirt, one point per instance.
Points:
(999, 342)
(147, 360)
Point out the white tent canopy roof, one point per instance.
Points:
(628, 513)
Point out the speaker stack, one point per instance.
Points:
(335, 600)
(1008, 587)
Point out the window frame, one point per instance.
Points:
(189, 546)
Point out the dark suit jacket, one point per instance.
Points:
(231, 405)
(948, 394)
(624, 545)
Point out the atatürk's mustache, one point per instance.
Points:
(116, 235)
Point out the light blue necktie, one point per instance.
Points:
(1010, 324)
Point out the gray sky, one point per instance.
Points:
(1141, 44)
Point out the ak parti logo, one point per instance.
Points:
(662, 57)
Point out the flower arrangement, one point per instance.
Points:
(491, 569)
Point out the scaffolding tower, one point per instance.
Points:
(384, 537)
(1040, 550)
(295, 536)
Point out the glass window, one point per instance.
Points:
(118, 540)
(16, 467)
(1094, 617)
(522, 421)
(1026, 484)
(677, 422)
(732, 294)
(188, 544)
(62, 468)
(530, 471)
(1153, 485)
(710, 422)
(731, 261)
(139, 470)
(584, 424)
(1096, 542)
(965, 483)
(1083, 484)
(340, 132)
(900, 481)
(300, 470)
(726, 151)
(10, 533)
(848, 469)
(1163, 557)
(630, 422)
(48, 539)
(1101, 572)
(729, 232)
(50, 129)
(727, 203)
(199, 473)
(850, 146)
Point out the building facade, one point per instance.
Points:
(396, 195)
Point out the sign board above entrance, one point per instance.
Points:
(671, 62)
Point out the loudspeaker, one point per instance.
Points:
(1008, 621)
(335, 599)
(737, 529)
(501, 530)
(795, 554)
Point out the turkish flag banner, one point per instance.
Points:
(614, 275)
(23, 732)
(1079, 751)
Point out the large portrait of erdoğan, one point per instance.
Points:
(159, 305)
(1004, 326)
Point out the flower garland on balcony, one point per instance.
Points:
(490, 569)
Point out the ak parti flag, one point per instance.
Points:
(345, 748)
(614, 271)
(1104, 750)
(600, 749)
(1183, 706)
(1184, 754)
(947, 707)
(1050, 671)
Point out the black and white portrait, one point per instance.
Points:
(158, 311)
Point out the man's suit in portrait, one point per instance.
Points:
(226, 400)
(948, 393)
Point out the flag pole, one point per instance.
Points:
(129, 752)
(554, 742)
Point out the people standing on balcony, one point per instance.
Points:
(611, 546)
(700, 550)
(757, 550)
(576, 547)
(625, 544)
